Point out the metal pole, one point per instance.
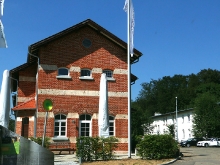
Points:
(176, 122)
(129, 80)
(45, 123)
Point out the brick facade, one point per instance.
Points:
(74, 96)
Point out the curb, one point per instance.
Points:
(172, 161)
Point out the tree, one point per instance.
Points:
(171, 130)
(207, 115)
(159, 95)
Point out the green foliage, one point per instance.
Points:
(171, 130)
(38, 140)
(11, 125)
(157, 147)
(207, 115)
(159, 95)
(94, 148)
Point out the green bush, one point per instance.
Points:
(94, 148)
(157, 147)
(38, 140)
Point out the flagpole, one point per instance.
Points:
(129, 79)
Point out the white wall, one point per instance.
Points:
(184, 119)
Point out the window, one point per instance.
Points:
(183, 134)
(85, 125)
(111, 125)
(63, 73)
(188, 118)
(109, 75)
(87, 43)
(85, 74)
(183, 119)
(173, 119)
(60, 125)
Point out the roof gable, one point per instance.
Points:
(89, 23)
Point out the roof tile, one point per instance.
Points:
(30, 104)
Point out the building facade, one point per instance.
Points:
(184, 123)
(66, 68)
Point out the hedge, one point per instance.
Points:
(157, 147)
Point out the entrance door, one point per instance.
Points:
(25, 127)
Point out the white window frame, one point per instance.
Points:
(86, 77)
(86, 121)
(64, 76)
(112, 121)
(107, 71)
(60, 137)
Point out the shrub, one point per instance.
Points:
(157, 147)
(94, 148)
(38, 140)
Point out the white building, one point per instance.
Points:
(184, 119)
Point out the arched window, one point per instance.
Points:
(85, 73)
(108, 73)
(85, 125)
(63, 73)
(60, 125)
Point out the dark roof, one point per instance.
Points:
(34, 47)
(21, 67)
(174, 112)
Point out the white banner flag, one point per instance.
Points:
(3, 43)
(1, 7)
(131, 24)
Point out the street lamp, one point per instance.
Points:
(176, 122)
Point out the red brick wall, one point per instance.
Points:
(27, 88)
(18, 127)
(31, 129)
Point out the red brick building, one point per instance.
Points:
(66, 68)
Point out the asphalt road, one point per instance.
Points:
(199, 156)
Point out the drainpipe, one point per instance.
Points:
(35, 116)
(16, 102)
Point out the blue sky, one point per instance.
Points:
(175, 36)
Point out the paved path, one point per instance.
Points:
(71, 159)
(199, 156)
(192, 156)
(67, 159)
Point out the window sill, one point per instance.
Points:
(60, 138)
(86, 78)
(63, 77)
(110, 79)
